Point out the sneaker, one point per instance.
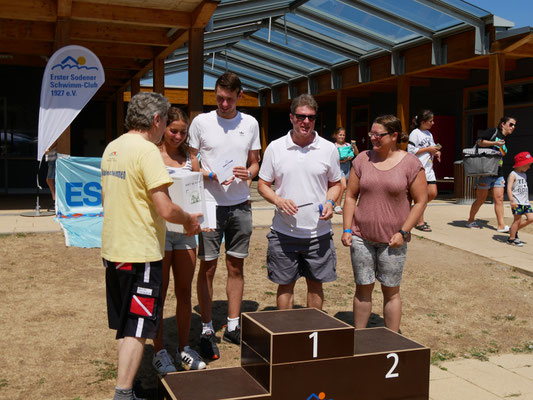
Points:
(190, 359)
(515, 242)
(162, 362)
(233, 336)
(337, 210)
(504, 230)
(473, 225)
(208, 346)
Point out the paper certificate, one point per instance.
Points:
(187, 191)
(223, 167)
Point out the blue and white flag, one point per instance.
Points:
(79, 200)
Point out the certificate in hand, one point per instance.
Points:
(187, 191)
(223, 167)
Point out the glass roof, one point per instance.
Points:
(270, 42)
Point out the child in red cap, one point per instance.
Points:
(518, 194)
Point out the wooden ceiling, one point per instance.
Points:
(127, 35)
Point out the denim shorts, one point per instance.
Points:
(290, 258)
(345, 168)
(371, 260)
(179, 241)
(490, 182)
(234, 225)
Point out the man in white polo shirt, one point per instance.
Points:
(306, 174)
(228, 144)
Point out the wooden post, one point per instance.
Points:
(120, 113)
(62, 38)
(264, 129)
(108, 121)
(196, 72)
(135, 86)
(341, 109)
(496, 86)
(403, 98)
(159, 75)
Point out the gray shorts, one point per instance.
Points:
(234, 224)
(289, 258)
(371, 260)
(179, 241)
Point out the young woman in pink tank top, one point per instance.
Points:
(378, 218)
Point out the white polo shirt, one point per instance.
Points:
(301, 174)
(214, 137)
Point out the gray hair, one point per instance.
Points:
(302, 101)
(143, 108)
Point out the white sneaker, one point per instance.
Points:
(504, 230)
(162, 362)
(190, 359)
(337, 210)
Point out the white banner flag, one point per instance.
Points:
(71, 78)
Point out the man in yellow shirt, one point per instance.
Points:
(136, 204)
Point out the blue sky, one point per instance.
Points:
(518, 11)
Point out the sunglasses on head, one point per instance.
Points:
(302, 117)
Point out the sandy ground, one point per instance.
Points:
(56, 344)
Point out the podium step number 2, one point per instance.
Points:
(306, 354)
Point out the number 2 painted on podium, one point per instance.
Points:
(391, 373)
(314, 336)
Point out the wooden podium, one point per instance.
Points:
(305, 354)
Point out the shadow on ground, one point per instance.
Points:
(483, 223)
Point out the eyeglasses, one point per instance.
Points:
(511, 124)
(302, 117)
(377, 135)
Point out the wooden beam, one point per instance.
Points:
(30, 10)
(196, 71)
(27, 47)
(117, 49)
(30, 30)
(496, 86)
(119, 33)
(159, 75)
(134, 15)
(202, 14)
(121, 63)
(64, 8)
(62, 35)
(403, 99)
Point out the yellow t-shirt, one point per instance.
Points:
(132, 231)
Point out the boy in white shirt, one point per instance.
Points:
(518, 194)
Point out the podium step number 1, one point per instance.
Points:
(306, 354)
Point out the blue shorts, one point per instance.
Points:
(345, 168)
(489, 182)
(522, 209)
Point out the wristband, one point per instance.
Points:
(211, 175)
(332, 203)
(347, 231)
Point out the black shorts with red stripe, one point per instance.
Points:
(134, 298)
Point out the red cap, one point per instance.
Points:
(522, 158)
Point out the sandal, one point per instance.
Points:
(423, 227)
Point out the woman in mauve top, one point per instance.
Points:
(378, 218)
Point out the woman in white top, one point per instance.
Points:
(422, 145)
(180, 251)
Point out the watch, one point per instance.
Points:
(406, 235)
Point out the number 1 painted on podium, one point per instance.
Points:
(314, 336)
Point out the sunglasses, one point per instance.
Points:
(511, 124)
(377, 135)
(302, 117)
